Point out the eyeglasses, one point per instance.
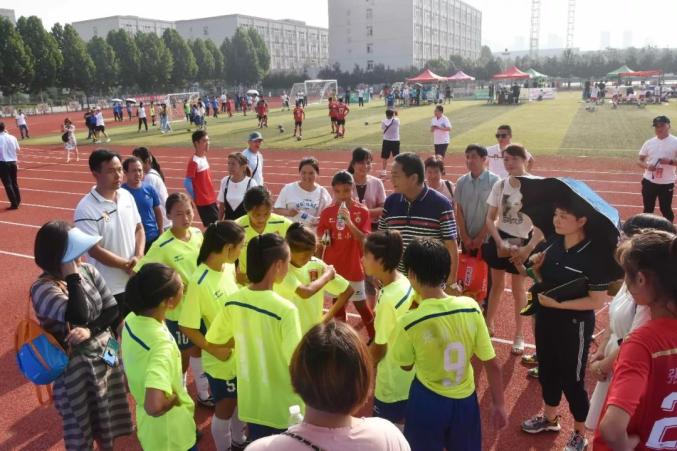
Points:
(501, 135)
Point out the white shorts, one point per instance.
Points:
(360, 294)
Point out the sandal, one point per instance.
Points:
(530, 360)
(518, 346)
(533, 373)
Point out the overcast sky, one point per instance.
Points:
(505, 24)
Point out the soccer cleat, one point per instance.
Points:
(533, 373)
(539, 423)
(530, 360)
(208, 402)
(577, 442)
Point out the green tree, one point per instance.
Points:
(262, 53)
(78, 68)
(57, 34)
(16, 63)
(204, 59)
(184, 69)
(127, 52)
(105, 63)
(217, 73)
(243, 60)
(155, 62)
(46, 54)
(228, 73)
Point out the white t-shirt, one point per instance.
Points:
(9, 146)
(393, 132)
(255, 163)
(495, 159)
(655, 149)
(99, 122)
(236, 190)
(142, 112)
(594, 91)
(360, 93)
(508, 200)
(153, 179)
(116, 222)
(223, 98)
(365, 434)
(311, 203)
(20, 119)
(441, 136)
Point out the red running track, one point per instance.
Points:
(51, 189)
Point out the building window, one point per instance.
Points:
(370, 30)
(205, 31)
(370, 65)
(370, 13)
(370, 48)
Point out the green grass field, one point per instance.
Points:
(560, 126)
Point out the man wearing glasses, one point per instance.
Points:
(658, 157)
(495, 152)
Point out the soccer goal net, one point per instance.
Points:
(175, 102)
(314, 91)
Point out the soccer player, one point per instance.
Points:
(342, 111)
(299, 117)
(259, 112)
(382, 253)
(266, 330)
(332, 105)
(438, 339)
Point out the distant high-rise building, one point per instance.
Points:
(87, 29)
(8, 13)
(627, 38)
(604, 40)
(401, 33)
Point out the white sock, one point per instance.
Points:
(221, 433)
(201, 382)
(237, 428)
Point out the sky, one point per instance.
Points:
(505, 23)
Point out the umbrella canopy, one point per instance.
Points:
(130, 100)
(642, 73)
(116, 100)
(460, 76)
(427, 76)
(252, 92)
(533, 73)
(621, 70)
(511, 74)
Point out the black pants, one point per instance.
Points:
(142, 120)
(8, 171)
(360, 101)
(562, 344)
(651, 191)
(208, 213)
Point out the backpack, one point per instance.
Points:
(65, 137)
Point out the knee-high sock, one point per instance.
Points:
(201, 382)
(221, 433)
(237, 428)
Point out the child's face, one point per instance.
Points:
(259, 216)
(371, 265)
(343, 192)
(181, 215)
(301, 258)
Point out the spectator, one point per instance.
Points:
(154, 177)
(440, 128)
(165, 125)
(411, 198)
(90, 122)
(658, 157)
(233, 188)
(368, 190)
(73, 303)
(129, 110)
(360, 97)
(198, 181)
(332, 372)
(141, 114)
(9, 146)
(254, 156)
(146, 199)
(71, 143)
(495, 152)
(152, 113)
(434, 173)
(390, 126)
(100, 126)
(303, 201)
(22, 124)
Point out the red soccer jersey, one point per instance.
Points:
(198, 170)
(345, 252)
(342, 111)
(333, 105)
(644, 384)
(298, 114)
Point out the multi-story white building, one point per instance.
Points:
(87, 29)
(8, 13)
(292, 44)
(401, 33)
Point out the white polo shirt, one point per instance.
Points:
(495, 159)
(20, 119)
(9, 146)
(441, 136)
(655, 149)
(99, 119)
(116, 222)
(255, 163)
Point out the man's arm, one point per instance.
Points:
(460, 222)
(140, 236)
(452, 247)
(107, 257)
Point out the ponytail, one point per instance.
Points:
(262, 252)
(218, 235)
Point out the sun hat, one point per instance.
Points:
(255, 136)
(78, 243)
(661, 120)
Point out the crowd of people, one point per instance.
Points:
(241, 303)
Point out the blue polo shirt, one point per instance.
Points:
(146, 199)
(429, 215)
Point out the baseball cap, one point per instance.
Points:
(255, 136)
(78, 243)
(660, 120)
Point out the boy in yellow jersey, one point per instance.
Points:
(211, 283)
(382, 254)
(266, 331)
(309, 278)
(258, 220)
(164, 410)
(439, 338)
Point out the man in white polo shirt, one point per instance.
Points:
(110, 212)
(100, 127)
(658, 158)
(495, 152)
(254, 156)
(9, 146)
(22, 124)
(440, 127)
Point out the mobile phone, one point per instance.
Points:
(110, 352)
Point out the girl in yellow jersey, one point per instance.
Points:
(207, 289)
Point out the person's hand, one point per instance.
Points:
(77, 335)
(477, 242)
(597, 356)
(498, 416)
(520, 255)
(598, 370)
(467, 242)
(330, 270)
(221, 352)
(69, 268)
(314, 221)
(291, 212)
(537, 260)
(547, 301)
(131, 263)
(345, 213)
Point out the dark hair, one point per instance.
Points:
(218, 235)
(360, 154)
(300, 239)
(429, 261)
(198, 135)
(2, 127)
(150, 286)
(439, 108)
(479, 150)
(389, 113)
(255, 197)
(176, 198)
(573, 207)
(310, 161)
(516, 150)
(435, 161)
(262, 252)
(331, 369)
(654, 253)
(385, 246)
(507, 128)
(242, 161)
(146, 157)
(50, 246)
(342, 178)
(411, 164)
(642, 221)
(100, 156)
(130, 160)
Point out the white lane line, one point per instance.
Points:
(14, 254)
(18, 224)
(23, 204)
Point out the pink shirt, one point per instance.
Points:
(374, 195)
(366, 434)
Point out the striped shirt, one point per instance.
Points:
(429, 215)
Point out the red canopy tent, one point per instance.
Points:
(427, 76)
(511, 74)
(460, 76)
(642, 73)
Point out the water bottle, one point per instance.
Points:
(340, 220)
(295, 415)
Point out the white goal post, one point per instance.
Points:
(175, 103)
(315, 91)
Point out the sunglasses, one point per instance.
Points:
(502, 135)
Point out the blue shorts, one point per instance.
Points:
(391, 411)
(222, 389)
(181, 340)
(435, 422)
(257, 431)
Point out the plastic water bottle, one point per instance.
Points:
(340, 220)
(295, 415)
